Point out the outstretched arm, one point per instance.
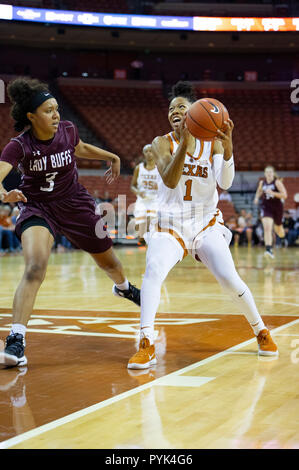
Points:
(84, 150)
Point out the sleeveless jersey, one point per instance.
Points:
(147, 182)
(197, 184)
(49, 170)
(268, 201)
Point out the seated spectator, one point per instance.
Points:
(225, 196)
(232, 224)
(6, 229)
(245, 226)
(258, 232)
(289, 227)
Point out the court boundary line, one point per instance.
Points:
(158, 313)
(85, 411)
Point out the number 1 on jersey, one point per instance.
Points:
(188, 185)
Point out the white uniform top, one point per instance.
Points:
(197, 183)
(147, 182)
(191, 207)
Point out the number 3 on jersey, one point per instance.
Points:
(50, 177)
(188, 185)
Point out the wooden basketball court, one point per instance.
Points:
(209, 388)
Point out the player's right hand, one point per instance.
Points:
(184, 132)
(15, 195)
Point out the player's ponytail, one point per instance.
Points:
(183, 89)
(21, 92)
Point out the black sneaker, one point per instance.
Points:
(269, 253)
(132, 293)
(13, 354)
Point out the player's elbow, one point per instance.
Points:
(170, 181)
(170, 184)
(225, 185)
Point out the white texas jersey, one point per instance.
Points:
(197, 184)
(148, 181)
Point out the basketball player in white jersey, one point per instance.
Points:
(189, 222)
(145, 185)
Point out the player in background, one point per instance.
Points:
(144, 184)
(272, 192)
(190, 170)
(51, 201)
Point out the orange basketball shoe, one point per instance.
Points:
(145, 357)
(266, 345)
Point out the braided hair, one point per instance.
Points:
(20, 92)
(183, 89)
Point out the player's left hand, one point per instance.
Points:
(269, 192)
(225, 136)
(113, 171)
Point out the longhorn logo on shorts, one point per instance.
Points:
(216, 110)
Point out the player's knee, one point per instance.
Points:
(155, 271)
(231, 284)
(35, 271)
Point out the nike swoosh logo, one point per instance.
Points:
(216, 109)
(240, 295)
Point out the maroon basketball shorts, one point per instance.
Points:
(274, 213)
(75, 218)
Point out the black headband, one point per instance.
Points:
(38, 99)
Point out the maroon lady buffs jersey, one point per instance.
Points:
(271, 206)
(50, 183)
(48, 168)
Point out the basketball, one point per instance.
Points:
(205, 117)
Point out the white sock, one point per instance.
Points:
(147, 332)
(18, 328)
(123, 286)
(247, 306)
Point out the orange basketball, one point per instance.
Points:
(205, 117)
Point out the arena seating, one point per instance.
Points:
(228, 210)
(6, 128)
(265, 130)
(128, 118)
(124, 118)
(122, 187)
(119, 187)
(292, 187)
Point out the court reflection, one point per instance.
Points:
(15, 411)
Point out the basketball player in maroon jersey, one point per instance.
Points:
(51, 200)
(272, 191)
